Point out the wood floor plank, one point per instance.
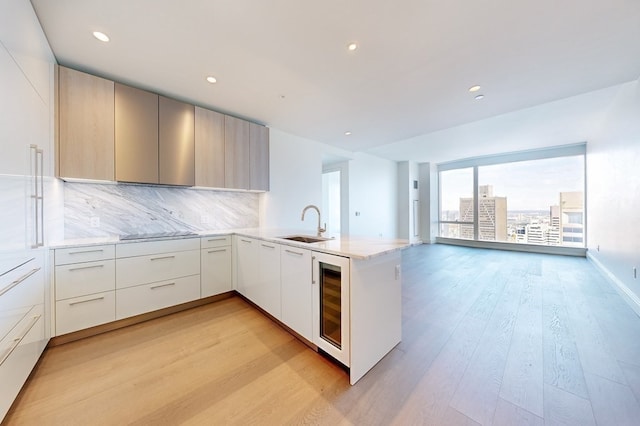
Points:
(523, 380)
(613, 403)
(632, 376)
(595, 354)
(476, 395)
(508, 414)
(566, 409)
(562, 367)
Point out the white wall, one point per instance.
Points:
(613, 188)
(373, 197)
(296, 180)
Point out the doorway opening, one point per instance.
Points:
(331, 182)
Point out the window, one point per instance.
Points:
(532, 197)
(456, 202)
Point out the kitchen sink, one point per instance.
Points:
(305, 238)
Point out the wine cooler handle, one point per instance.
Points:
(313, 276)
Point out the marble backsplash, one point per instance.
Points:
(133, 209)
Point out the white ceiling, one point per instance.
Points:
(410, 75)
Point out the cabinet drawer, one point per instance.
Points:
(215, 272)
(84, 312)
(85, 278)
(215, 241)
(134, 271)
(151, 297)
(84, 254)
(20, 288)
(156, 247)
(19, 352)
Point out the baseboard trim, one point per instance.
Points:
(527, 248)
(629, 296)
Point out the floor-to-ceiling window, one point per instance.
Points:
(532, 197)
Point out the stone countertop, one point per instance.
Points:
(352, 247)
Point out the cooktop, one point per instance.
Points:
(156, 235)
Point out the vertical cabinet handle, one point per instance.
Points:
(313, 276)
(37, 194)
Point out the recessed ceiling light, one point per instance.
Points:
(352, 46)
(211, 79)
(478, 97)
(474, 88)
(101, 36)
(347, 133)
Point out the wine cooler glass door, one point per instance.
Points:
(331, 305)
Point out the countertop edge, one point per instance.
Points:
(264, 235)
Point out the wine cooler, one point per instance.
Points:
(331, 305)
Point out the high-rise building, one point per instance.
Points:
(492, 216)
(572, 218)
(554, 226)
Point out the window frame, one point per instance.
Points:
(578, 149)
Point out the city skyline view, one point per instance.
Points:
(528, 185)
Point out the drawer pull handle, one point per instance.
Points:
(268, 246)
(86, 301)
(17, 340)
(216, 251)
(153, 287)
(163, 257)
(18, 281)
(245, 241)
(216, 239)
(294, 252)
(86, 267)
(87, 251)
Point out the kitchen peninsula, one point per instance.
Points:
(341, 296)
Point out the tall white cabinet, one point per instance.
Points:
(26, 117)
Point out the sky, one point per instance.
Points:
(528, 185)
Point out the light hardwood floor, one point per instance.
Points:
(489, 337)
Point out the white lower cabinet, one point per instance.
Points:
(215, 266)
(268, 285)
(83, 312)
(84, 287)
(23, 331)
(247, 266)
(144, 298)
(297, 290)
(258, 273)
(155, 275)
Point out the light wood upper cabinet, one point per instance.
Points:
(237, 147)
(176, 143)
(111, 131)
(209, 143)
(259, 157)
(85, 147)
(136, 135)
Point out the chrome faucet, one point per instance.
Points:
(320, 229)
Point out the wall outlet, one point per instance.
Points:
(204, 218)
(95, 221)
(398, 272)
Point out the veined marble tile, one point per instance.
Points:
(135, 209)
